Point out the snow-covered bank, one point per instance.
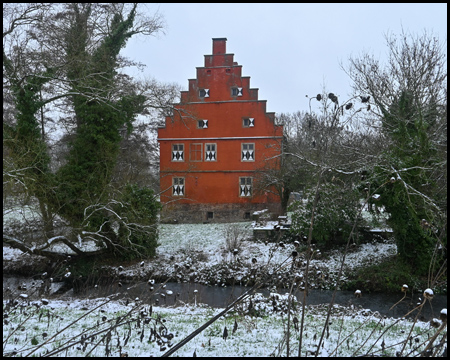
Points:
(200, 253)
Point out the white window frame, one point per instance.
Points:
(181, 152)
(245, 186)
(178, 186)
(244, 152)
(207, 152)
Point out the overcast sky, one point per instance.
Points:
(288, 50)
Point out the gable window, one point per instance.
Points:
(245, 186)
(178, 186)
(210, 152)
(202, 124)
(196, 152)
(248, 152)
(236, 91)
(204, 93)
(248, 122)
(178, 152)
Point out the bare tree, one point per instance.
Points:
(409, 95)
(65, 58)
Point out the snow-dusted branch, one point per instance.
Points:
(40, 250)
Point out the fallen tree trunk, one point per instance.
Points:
(51, 254)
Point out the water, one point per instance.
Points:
(219, 297)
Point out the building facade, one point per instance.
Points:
(215, 143)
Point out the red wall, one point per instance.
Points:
(217, 181)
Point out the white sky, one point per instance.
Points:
(288, 50)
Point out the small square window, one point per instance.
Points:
(203, 93)
(202, 124)
(236, 91)
(209, 215)
(247, 215)
(248, 122)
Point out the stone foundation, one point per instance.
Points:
(214, 213)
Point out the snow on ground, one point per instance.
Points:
(200, 253)
(10, 254)
(101, 328)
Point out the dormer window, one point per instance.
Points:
(204, 93)
(202, 124)
(248, 122)
(236, 91)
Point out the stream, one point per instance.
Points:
(219, 297)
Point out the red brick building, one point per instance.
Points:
(211, 147)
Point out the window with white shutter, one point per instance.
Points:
(210, 152)
(248, 152)
(177, 152)
(248, 122)
(245, 186)
(204, 93)
(177, 186)
(236, 91)
(202, 124)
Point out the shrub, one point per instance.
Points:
(334, 215)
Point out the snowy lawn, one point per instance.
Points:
(114, 328)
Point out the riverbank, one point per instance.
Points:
(201, 253)
(206, 254)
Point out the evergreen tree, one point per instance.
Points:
(405, 181)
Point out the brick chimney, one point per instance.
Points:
(219, 46)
